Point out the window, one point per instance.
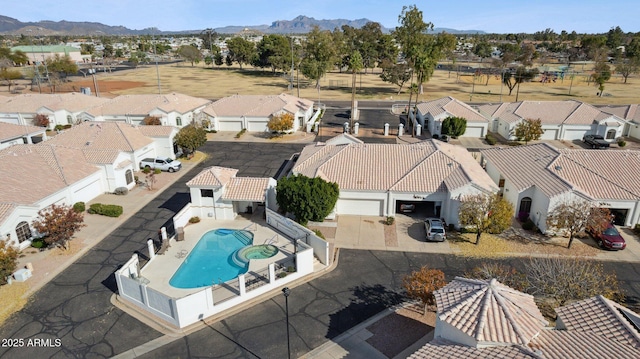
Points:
(525, 205)
(178, 121)
(69, 119)
(128, 176)
(611, 134)
(501, 183)
(23, 231)
(206, 193)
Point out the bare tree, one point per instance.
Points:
(574, 216)
(563, 280)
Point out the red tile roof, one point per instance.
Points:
(213, 176)
(246, 189)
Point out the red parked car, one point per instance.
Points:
(610, 238)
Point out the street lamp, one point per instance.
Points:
(286, 291)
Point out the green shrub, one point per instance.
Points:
(390, 220)
(490, 139)
(146, 170)
(38, 243)
(109, 210)
(291, 269)
(157, 171)
(79, 207)
(622, 143)
(121, 191)
(194, 219)
(514, 143)
(318, 233)
(281, 274)
(528, 225)
(58, 128)
(239, 134)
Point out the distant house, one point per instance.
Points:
(40, 53)
(253, 112)
(11, 134)
(561, 120)
(536, 178)
(217, 193)
(61, 109)
(487, 319)
(629, 113)
(173, 109)
(431, 114)
(375, 179)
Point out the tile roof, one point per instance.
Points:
(9, 131)
(31, 102)
(549, 112)
(29, 173)
(156, 131)
(596, 174)
(145, 104)
(343, 138)
(627, 112)
(398, 167)
(604, 317)
(443, 349)
(568, 344)
(6, 209)
(451, 107)
(102, 135)
(213, 176)
(256, 105)
(489, 311)
(246, 189)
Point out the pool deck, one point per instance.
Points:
(160, 270)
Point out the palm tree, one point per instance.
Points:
(355, 65)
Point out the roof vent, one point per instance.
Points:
(88, 143)
(558, 168)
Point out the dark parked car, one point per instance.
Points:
(595, 141)
(610, 238)
(407, 208)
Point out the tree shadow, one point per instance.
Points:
(176, 202)
(367, 301)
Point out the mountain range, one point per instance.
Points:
(299, 25)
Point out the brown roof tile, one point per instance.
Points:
(213, 176)
(31, 103)
(443, 349)
(452, 107)
(568, 344)
(549, 112)
(10, 131)
(102, 135)
(144, 104)
(256, 105)
(246, 189)
(489, 311)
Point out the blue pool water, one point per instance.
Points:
(211, 260)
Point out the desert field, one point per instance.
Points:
(215, 83)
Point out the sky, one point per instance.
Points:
(492, 16)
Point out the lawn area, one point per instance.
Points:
(215, 83)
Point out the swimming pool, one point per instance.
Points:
(211, 260)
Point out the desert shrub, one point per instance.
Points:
(41, 120)
(157, 171)
(239, 134)
(151, 121)
(194, 219)
(291, 269)
(58, 128)
(121, 191)
(79, 207)
(146, 170)
(109, 210)
(528, 225)
(281, 274)
(8, 261)
(390, 220)
(506, 275)
(490, 139)
(514, 143)
(422, 283)
(318, 233)
(622, 143)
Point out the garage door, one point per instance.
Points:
(88, 192)
(474, 132)
(571, 135)
(362, 207)
(256, 126)
(13, 120)
(549, 134)
(230, 126)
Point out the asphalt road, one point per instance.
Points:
(74, 307)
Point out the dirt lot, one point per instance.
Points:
(216, 82)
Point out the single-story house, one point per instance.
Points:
(61, 109)
(173, 109)
(487, 319)
(253, 112)
(39, 53)
(217, 193)
(535, 178)
(375, 179)
(629, 113)
(431, 114)
(11, 134)
(561, 120)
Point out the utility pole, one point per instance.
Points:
(155, 52)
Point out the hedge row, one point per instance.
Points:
(109, 210)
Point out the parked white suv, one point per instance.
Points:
(434, 229)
